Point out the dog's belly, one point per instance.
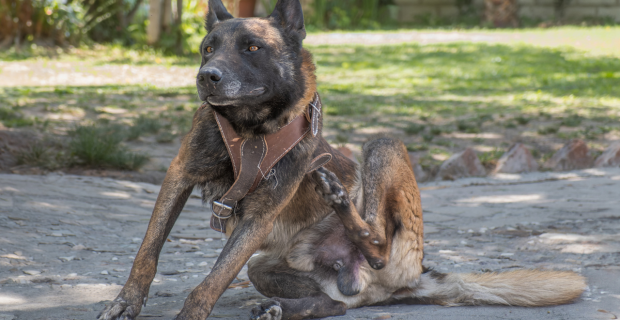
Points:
(305, 210)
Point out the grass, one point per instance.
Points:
(464, 79)
(489, 159)
(448, 96)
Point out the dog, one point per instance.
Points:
(331, 235)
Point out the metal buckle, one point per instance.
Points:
(223, 207)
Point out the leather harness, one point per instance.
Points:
(254, 158)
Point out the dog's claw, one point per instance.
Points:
(364, 233)
(329, 188)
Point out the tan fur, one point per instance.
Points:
(403, 277)
(263, 29)
(527, 288)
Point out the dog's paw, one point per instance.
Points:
(119, 309)
(270, 310)
(330, 188)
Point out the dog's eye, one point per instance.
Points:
(253, 48)
(209, 49)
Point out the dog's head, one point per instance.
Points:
(251, 69)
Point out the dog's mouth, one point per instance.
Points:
(257, 92)
(223, 100)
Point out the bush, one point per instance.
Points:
(349, 14)
(101, 147)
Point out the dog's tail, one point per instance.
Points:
(527, 288)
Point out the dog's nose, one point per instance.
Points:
(212, 75)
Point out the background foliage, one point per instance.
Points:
(26, 25)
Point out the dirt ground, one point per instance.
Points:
(67, 244)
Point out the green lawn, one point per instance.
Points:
(438, 98)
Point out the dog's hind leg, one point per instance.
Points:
(387, 198)
(369, 240)
(294, 295)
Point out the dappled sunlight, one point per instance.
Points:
(116, 194)
(582, 244)
(486, 135)
(569, 238)
(81, 294)
(48, 205)
(10, 299)
(507, 176)
(508, 198)
(595, 172)
(584, 248)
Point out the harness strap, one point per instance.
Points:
(253, 159)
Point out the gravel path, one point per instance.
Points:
(67, 244)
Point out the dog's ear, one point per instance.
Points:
(289, 15)
(217, 12)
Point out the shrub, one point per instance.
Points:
(101, 147)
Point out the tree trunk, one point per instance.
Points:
(132, 12)
(120, 15)
(167, 16)
(232, 6)
(154, 29)
(178, 21)
(501, 13)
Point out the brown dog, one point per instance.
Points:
(338, 237)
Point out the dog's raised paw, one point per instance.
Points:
(330, 188)
(270, 310)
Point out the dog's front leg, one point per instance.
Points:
(175, 191)
(244, 241)
(258, 212)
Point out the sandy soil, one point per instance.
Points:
(67, 244)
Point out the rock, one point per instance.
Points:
(517, 159)
(79, 247)
(202, 264)
(418, 171)
(14, 256)
(66, 258)
(573, 156)
(609, 158)
(189, 264)
(460, 165)
(105, 272)
(32, 272)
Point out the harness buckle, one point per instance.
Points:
(224, 212)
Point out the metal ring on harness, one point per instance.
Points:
(223, 207)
